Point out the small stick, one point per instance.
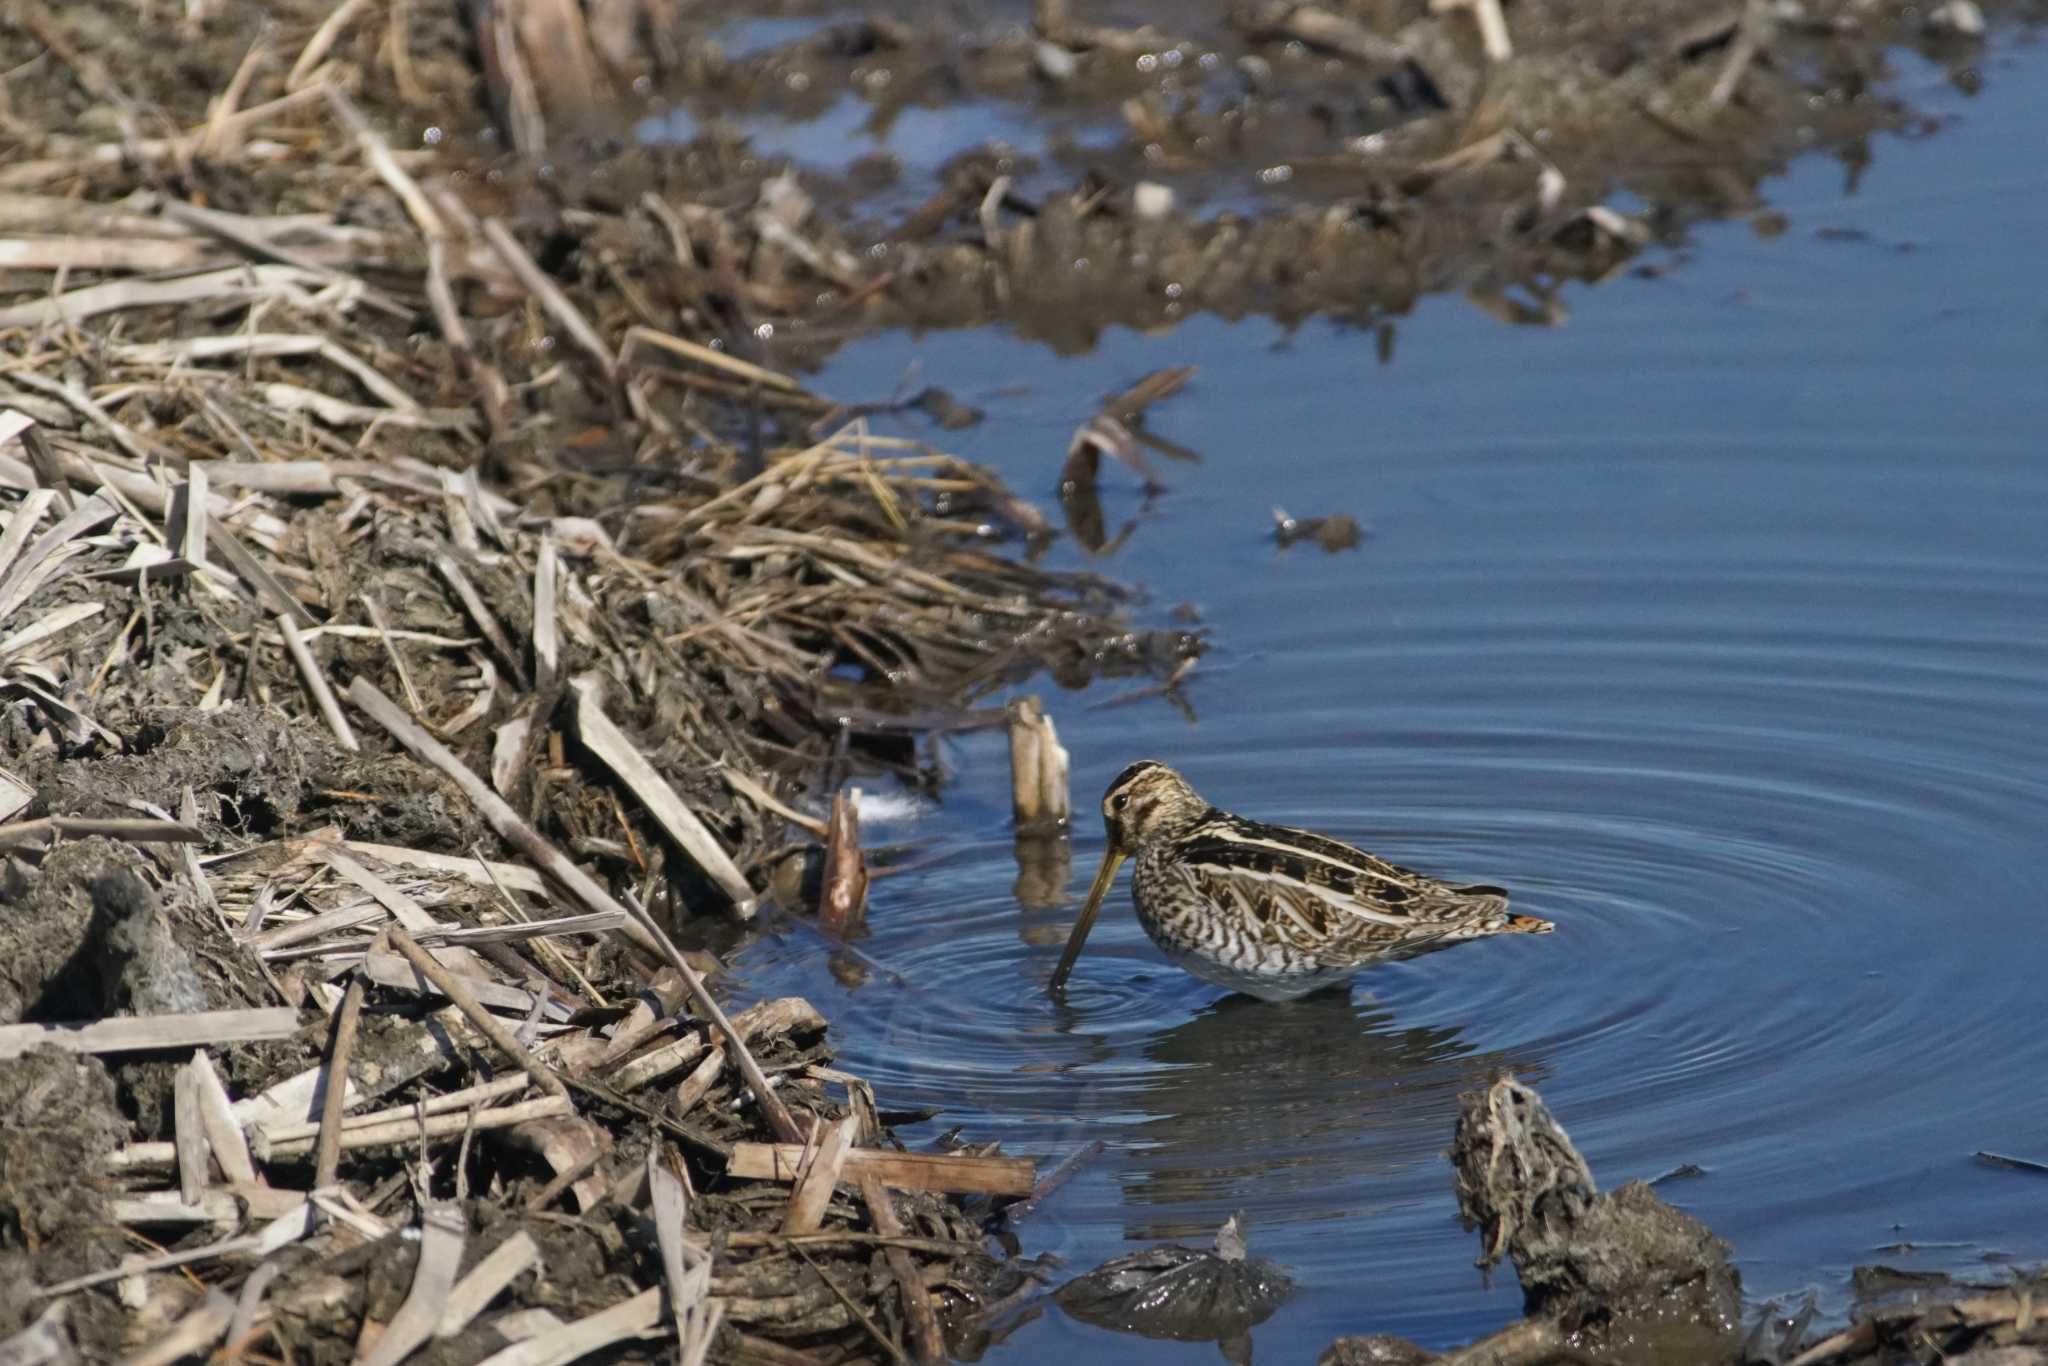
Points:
(481, 614)
(494, 809)
(223, 1134)
(491, 393)
(925, 1338)
(193, 1334)
(602, 736)
(213, 141)
(316, 683)
(465, 1000)
(410, 1131)
(1493, 25)
(814, 1184)
(443, 1231)
(450, 1103)
(412, 696)
(1749, 34)
(152, 1033)
(860, 1315)
(194, 548)
(766, 800)
(689, 350)
(564, 1179)
(323, 38)
(501, 1266)
(572, 1341)
(943, 1172)
(190, 1127)
(551, 297)
(401, 183)
(327, 1156)
(128, 828)
(779, 1118)
(244, 562)
(1052, 1181)
(547, 655)
(249, 1303)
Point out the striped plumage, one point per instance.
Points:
(1264, 909)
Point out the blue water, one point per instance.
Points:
(1713, 623)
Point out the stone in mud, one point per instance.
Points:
(85, 938)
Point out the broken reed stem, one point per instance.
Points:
(813, 1188)
(1039, 790)
(638, 926)
(465, 1000)
(316, 683)
(1749, 36)
(564, 1179)
(494, 809)
(411, 1130)
(550, 295)
(845, 880)
(778, 1116)
(327, 1156)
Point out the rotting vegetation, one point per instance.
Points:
(423, 588)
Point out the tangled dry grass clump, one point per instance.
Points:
(390, 609)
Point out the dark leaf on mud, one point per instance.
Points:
(1189, 1294)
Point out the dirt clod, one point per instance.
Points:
(1598, 1263)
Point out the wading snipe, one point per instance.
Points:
(1272, 912)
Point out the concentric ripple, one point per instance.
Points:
(1795, 936)
(1718, 640)
(1786, 819)
(1793, 870)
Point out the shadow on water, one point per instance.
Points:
(1281, 1108)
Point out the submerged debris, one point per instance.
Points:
(1333, 533)
(1189, 1294)
(1595, 1262)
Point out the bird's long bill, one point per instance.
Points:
(1106, 874)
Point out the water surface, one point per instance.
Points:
(1713, 623)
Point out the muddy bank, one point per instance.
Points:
(1623, 1277)
(738, 176)
(402, 639)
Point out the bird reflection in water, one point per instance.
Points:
(1293, 1112)
(1286, 1110)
